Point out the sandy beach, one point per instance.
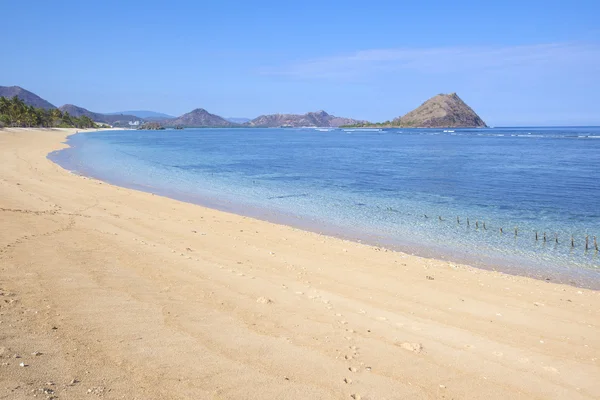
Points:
(113, 293)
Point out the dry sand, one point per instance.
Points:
(111, 292)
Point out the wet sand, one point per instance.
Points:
(111, 292)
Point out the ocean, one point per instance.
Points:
(475, 196)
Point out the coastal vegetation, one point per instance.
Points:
(14, 112)
(386, 124)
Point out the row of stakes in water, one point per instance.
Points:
(537, 236)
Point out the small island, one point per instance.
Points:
(441, 111)
(151, 126)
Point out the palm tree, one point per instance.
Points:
(4, 105)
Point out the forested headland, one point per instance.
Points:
(15, 113)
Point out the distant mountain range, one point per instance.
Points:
(144, 114)
(238, 120)
(114, 120)
(314, 119)
(202, 118)
(441, 111)
(197, 118)
(29, 98)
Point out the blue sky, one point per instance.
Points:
(515, 62)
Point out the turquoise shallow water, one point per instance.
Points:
(402, 188)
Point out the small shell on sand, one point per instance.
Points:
(264, 300)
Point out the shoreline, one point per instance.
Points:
(588, 278)
(127, 294)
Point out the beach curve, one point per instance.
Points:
(123, 293)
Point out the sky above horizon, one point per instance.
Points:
(514, 62)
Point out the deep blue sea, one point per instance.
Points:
(423, 191)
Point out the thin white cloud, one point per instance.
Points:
(365, 63)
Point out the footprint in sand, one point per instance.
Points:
(498, 353)
(551, 369)
(354, 355)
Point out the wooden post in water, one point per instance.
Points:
(587, 238)
(440, 218)
(501, 231)
(544, 237)
(556, 238)
(468, 224)
(572, 241)
(484, 228)
(536, 236)
(476, 224)
(595, 243)
(516, 231)
(458, 220)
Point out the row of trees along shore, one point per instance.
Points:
(15, 113)
(386, 124)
